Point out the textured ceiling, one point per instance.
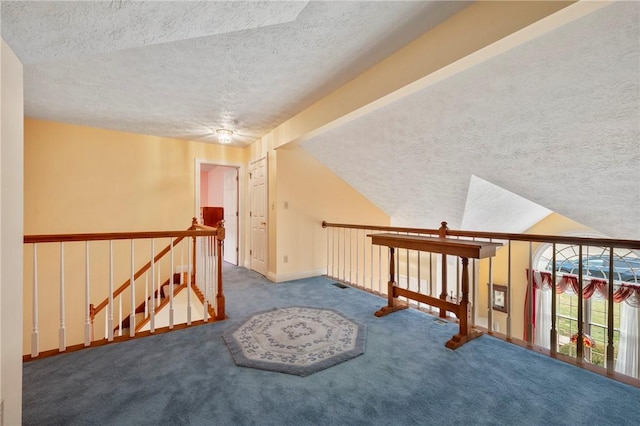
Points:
(555, 120)
(183, 69)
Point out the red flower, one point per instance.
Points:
(586, 340)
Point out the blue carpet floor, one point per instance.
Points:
(405, 377)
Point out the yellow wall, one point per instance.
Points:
(313, 194)
(554, 224)
(80, 179)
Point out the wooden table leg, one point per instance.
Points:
(393, 304)
(443, 293)
(466, 333)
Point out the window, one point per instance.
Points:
(595, 273)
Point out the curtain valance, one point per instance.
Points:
(568, 283)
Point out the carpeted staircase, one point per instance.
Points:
(140, 317)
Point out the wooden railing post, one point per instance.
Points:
(442, 233)
(392, 277)
(220, 309)
(194, 222)
(465, 312)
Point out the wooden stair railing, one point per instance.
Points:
(220, 235)
(498, 296)
(140, 308)
(95, 310)
(194, 231)
(126, 322)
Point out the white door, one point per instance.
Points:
(231, 215)
(258, 179)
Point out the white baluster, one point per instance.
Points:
(490, 301)
(132, 310)
(380, 270)
(159, 284)
(344, 254)
(87, 297)
(120, 314)
(337, 274)
(182, 262)
(171, 288)
(419, 277)
(364, 258)
(328, 273)
(372, 262)
(188, 283)
(35, 350)
(110, 311)
(62, 333)
(214, 264)
(152, 313)
(214, 271)
(146, 294)
(205, 305)
(357, 255)
(431, 280)
(508, 301)
(350, 257)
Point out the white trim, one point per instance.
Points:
(242, 184)
(279, 278)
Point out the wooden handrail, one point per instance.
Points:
(195, 230)
(137, 275)
(176, 237)
(558, 239)
(65, 238)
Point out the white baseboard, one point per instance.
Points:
(280, 278)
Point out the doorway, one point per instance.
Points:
(217, 186)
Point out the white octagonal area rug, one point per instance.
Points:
(296, 340)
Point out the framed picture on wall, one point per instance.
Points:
(500, 297)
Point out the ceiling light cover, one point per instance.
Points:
(224, 135)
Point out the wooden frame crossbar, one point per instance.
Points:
(464, 249)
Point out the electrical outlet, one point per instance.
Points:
(286, 258)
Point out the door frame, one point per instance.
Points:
(242, 177)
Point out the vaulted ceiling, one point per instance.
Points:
(184, 69)
(550, 125)
(555, 121)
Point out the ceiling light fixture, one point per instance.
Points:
(224, 135)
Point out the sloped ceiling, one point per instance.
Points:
(493, 209)
(555, 121)
(184, 69)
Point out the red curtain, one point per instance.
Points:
(544, 280)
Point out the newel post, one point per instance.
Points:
(220, 234)
(442, 231)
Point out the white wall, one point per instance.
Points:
(11, 231)
(215, 195)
